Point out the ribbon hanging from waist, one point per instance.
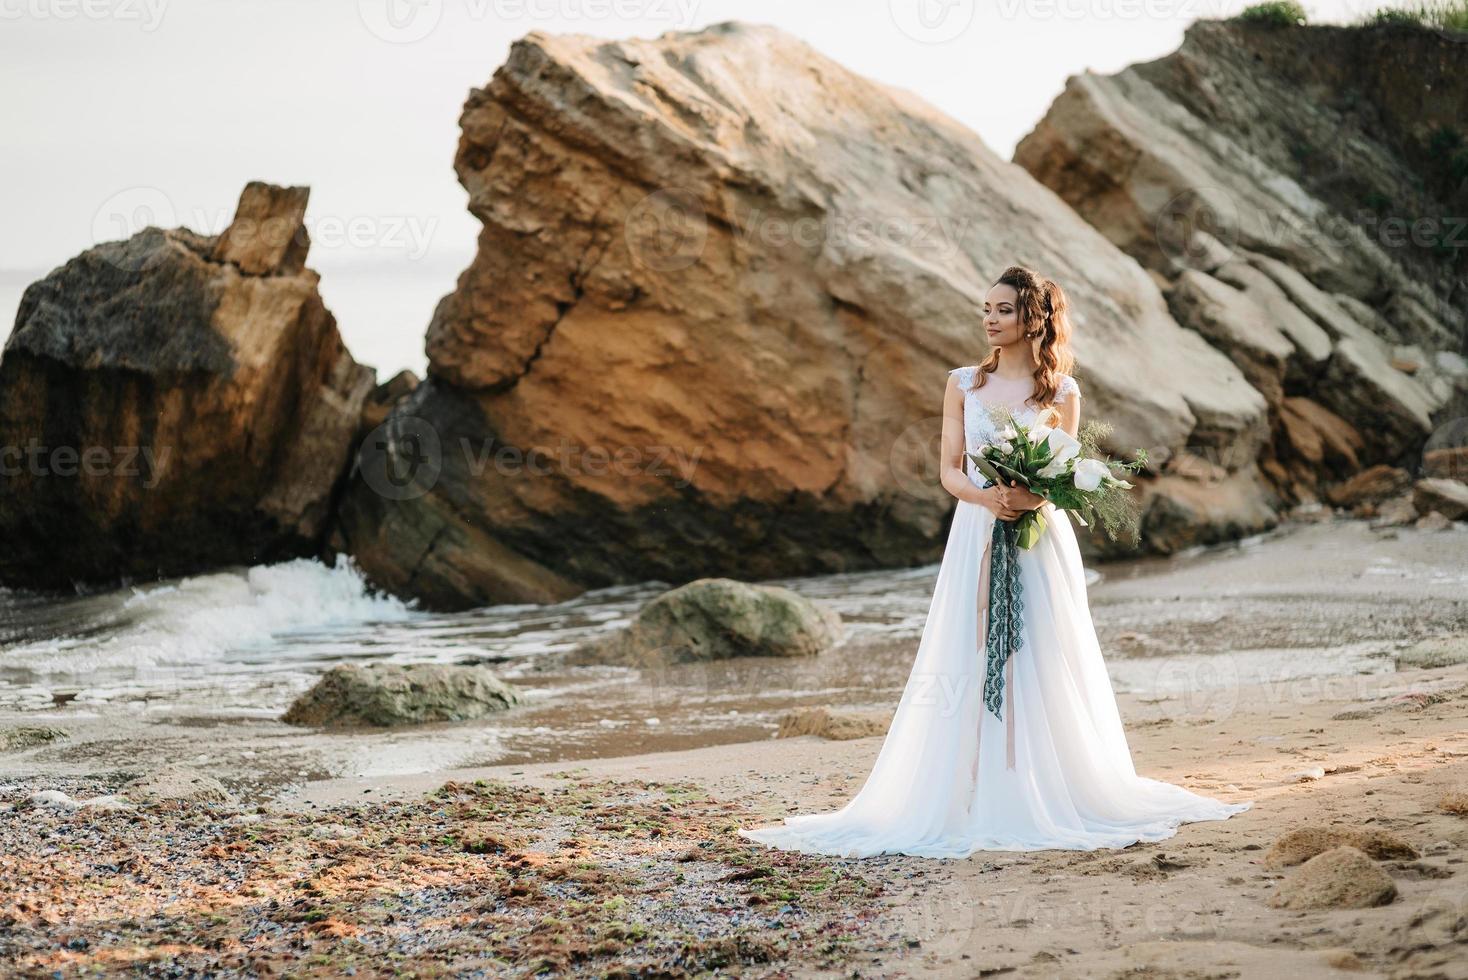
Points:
(1003, 617)
(1006, 608)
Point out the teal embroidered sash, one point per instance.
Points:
(1006, 606)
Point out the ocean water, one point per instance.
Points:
(1192, 630)
(246, 640)
(240, 644)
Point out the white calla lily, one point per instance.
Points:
(1063, 445)
(1039, 433)
(1052, 469)
(1089, 473)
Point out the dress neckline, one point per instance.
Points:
(1023, 407)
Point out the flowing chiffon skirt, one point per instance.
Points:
(942, 784)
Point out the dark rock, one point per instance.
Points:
(173, 403)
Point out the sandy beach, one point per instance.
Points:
(629, 866)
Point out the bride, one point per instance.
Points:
(1049, 765)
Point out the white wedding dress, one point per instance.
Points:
(952, 777)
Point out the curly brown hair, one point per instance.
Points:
(1045, 314)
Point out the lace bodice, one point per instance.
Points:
(978, 428)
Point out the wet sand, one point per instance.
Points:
(1192, 906)
(631, 862)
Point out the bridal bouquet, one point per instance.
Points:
(1064, 470)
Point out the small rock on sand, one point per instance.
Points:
(395, 694)
(56, 800)
(1304, 843)
(1340, 878)
(19, 737)
(1436, 651)
(714, 619)
(1433, 521)
(177, 783)
(834, 724)
(53, 798)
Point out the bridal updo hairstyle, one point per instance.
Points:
(1044, 315)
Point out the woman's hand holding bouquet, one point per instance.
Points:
(1030, 465)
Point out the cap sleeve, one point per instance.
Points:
(965, 376)
(1068, 388)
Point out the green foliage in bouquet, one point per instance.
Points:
(1107, 503)
(1111, 505)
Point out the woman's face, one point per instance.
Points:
(1001, 316)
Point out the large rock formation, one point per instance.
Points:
(1297, 192)
(720, 283)
(174, 402)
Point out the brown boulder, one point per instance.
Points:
(183, 402)
(693, 343)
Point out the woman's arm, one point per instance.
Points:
(952, 476)
(1070, 414)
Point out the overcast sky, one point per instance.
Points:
(120, 113)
